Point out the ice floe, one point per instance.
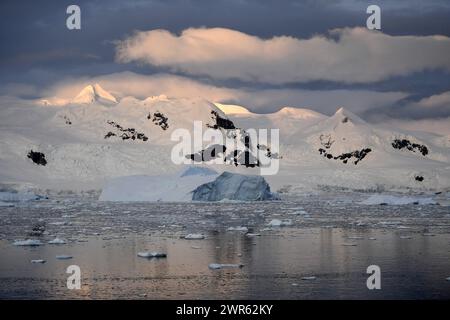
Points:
(216, 266)
(38, 261)
(194, 236)
(280, 223)
(57, 241)
(242, 229)
(29, 242)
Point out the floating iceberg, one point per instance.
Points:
(175, 187)
(232, 186)
(6, 204)
(13, 196)
(379, 199)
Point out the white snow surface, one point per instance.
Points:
(71, 134)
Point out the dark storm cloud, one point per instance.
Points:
(37, 49)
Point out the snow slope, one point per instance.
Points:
(96, 137)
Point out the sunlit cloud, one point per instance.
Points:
(349, 55)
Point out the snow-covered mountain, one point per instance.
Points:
(82, 143)
(94, 93)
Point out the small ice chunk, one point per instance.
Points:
(59, 223)
(355, 237)
(194, 236)
(405, 237)
(6, 204)
(448, 279)
(253, 234)
(240, 228)
(280, 223)
(38, 261)
(151, 254)
(216, 266)
(309, 278)
(372, 238)
(29, 242)
(298, 212)
(196, 247)
(57, 241)
(63, 257)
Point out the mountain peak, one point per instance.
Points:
(298, 113)
(94, 93)
(345, 115)
(232, 109)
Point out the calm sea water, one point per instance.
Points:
(331, 237)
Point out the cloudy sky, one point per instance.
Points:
(261, 54)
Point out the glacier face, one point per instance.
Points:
(231, 186)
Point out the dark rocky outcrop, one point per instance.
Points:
(125, 133)
(359, 155)
(406, 144)
(212, 152)
(419, 178)
(37, 157)
(160, 119)
(221, 122)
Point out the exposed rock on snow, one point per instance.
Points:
(160, 119)
(125, 133)
(29, 242)
(151, 254)
(37, 157)
(411, 146)
(380, 199)
(216, 266)
(234, 187)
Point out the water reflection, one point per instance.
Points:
(274, 265)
